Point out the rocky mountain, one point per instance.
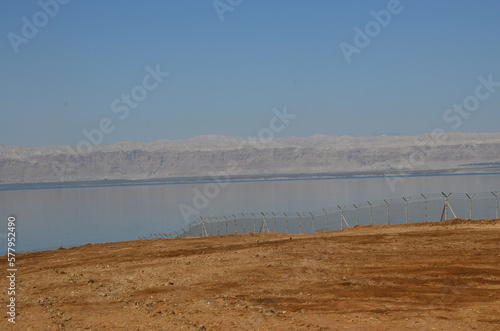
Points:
(224, 156)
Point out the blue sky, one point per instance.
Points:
(225, 77)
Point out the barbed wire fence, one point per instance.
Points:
(422, 208)
(408, 209)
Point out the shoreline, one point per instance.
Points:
(248, 178)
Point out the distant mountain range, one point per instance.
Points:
(224, 156)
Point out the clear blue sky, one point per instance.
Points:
(227, 76)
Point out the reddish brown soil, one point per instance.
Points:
(436, 276)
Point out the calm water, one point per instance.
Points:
(51, 218)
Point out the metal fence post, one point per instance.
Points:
(244, 223)
(406, 202)
(342, 218)
(218, 224)
(326, 220)
(235, 225)
(371, 211)
(225, 217)
(210, 221)
(388, 202)
(446, 206)
(425, 196)
(264, 223)
(357, 218)
(470, 204)
(202, 223)
(300, 222)
(203, 228)
(286, 222)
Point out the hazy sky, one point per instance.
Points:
(63, 74)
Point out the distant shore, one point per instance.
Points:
(249, 178)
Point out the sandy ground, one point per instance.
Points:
(436, 276)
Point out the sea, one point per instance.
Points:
(64, 217)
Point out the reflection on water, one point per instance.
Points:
(51, 218)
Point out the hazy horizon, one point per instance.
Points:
(206, 136)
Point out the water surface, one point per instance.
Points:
(65, 217)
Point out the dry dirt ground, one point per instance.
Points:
(436, 276)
